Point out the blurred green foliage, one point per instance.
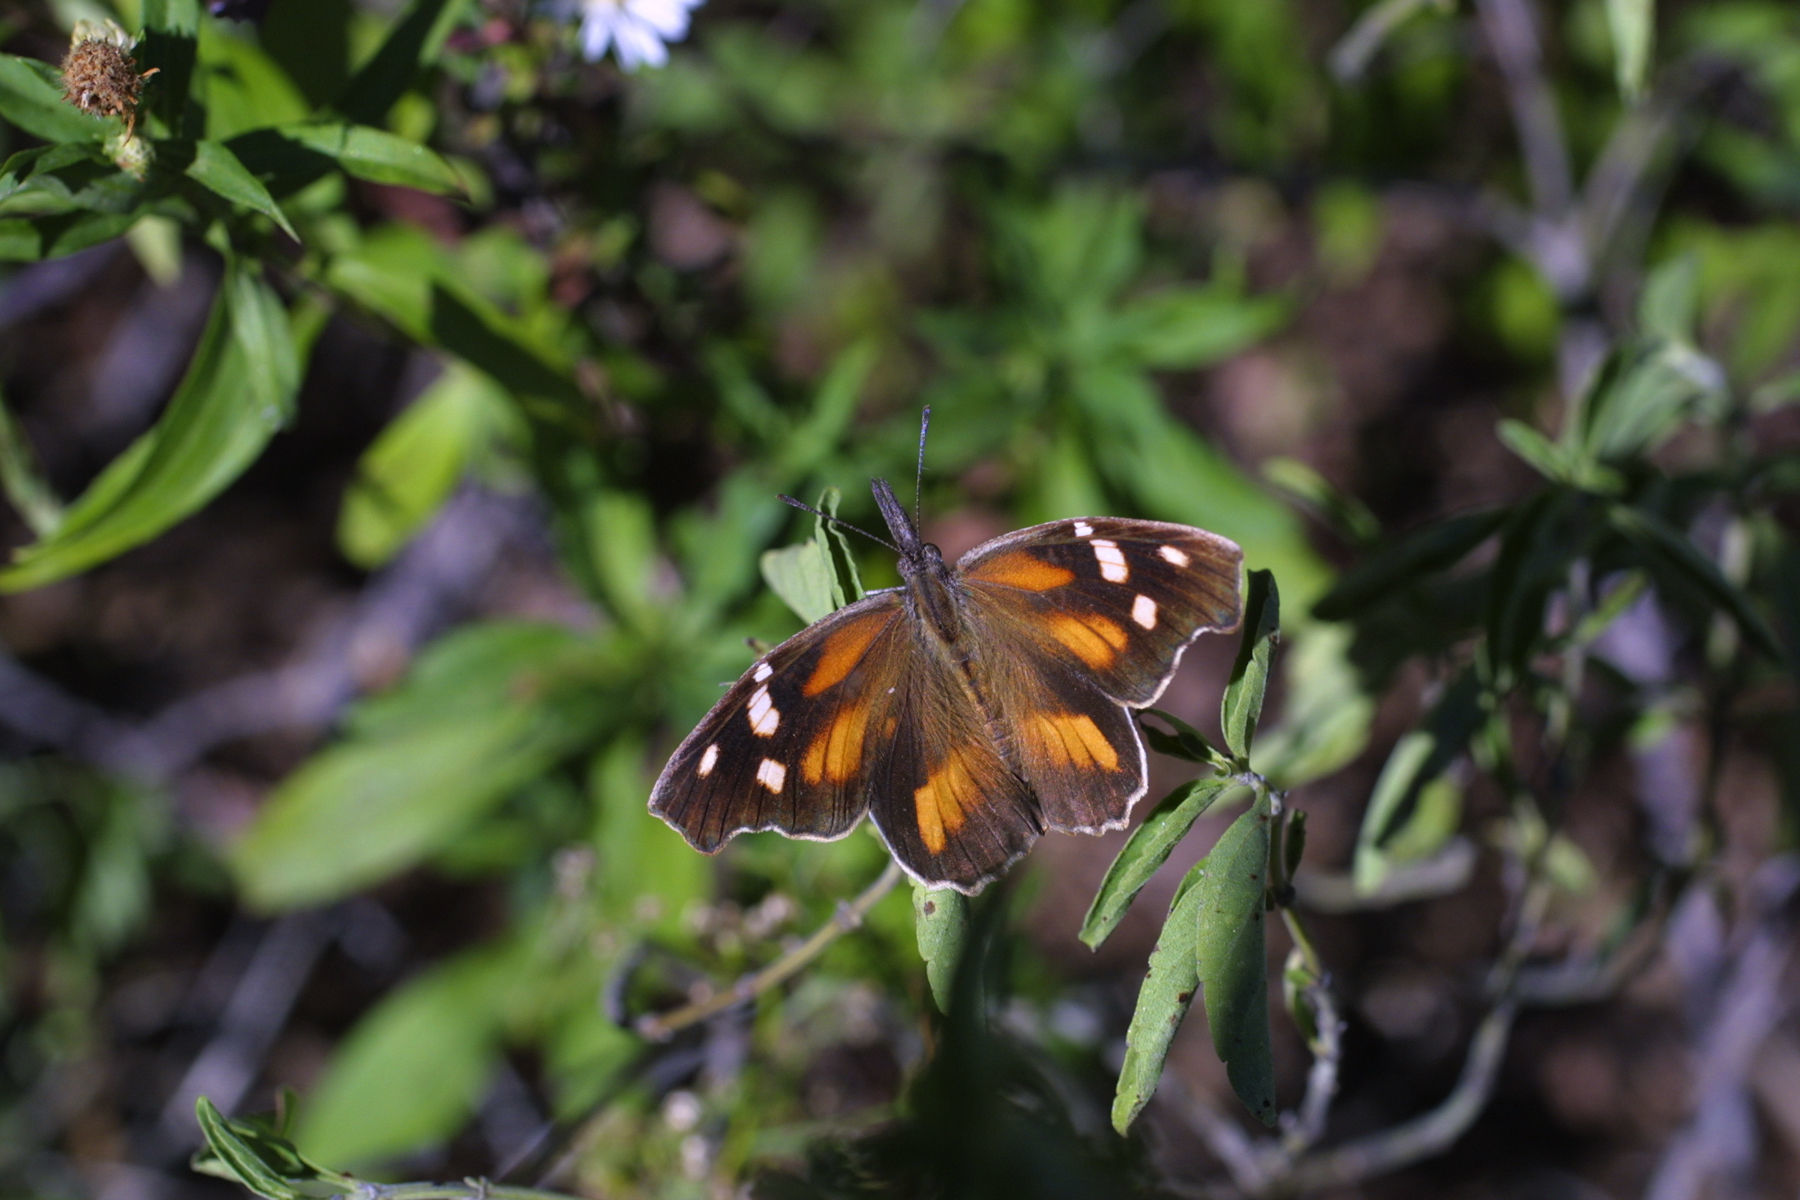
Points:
(1041, 219)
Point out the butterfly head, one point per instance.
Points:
(917, 556)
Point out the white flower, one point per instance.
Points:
(639, 30)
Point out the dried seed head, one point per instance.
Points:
(99, 74)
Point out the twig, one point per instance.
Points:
(1449, 870)
(661, 1027)
(1512, 33)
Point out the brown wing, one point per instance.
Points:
(787, 746)
(1080, 621)
(1116, 600)
(949, 807)
(853, 712)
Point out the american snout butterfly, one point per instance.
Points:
(969, 709)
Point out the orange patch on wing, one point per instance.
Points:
(943, 804)
(1018, 569)
(837, 751)
(1095, 640)
(844, 648)
(1071, 740)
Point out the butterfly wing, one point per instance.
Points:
(1079, 621)
(1118, 600)
(850, 712)
(786, 747)
(945, 800)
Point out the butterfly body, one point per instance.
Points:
(969, 709)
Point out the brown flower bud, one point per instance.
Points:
(100, 76)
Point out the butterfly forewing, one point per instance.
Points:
(1120, 598)
(786, 747)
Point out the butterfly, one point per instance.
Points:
(969, 709)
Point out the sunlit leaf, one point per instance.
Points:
(214, 167)
(1168, 991)
(413, 1069)
(941, 920)
(1402, 821)
(1633, 27)
(1232, 965)
(217, 423)
(1145, 851)
(405, 476)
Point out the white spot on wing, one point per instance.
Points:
(765, 718)
(707, 760)
(1171, 555)
(1083, 529)
(771, 775)
(1143, 611)
(762, 672)
(1112, 561)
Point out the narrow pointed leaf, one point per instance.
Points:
(1242, 705)
(1232, 964)
(1168, 991)
(941, 921)
(1148, 847)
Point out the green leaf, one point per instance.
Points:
(39, 238)
(485, 713)
(1403, 821)
(225, 410)
(1405, 561)
(214, 167)
(375, 155)
(1233, 971)
(1347, 516)
(1539, 452)
(646, 877)
(360, 812)
(1633, 27)
(257, 1155)
(622, 547)
(415, 41)
(1679, 559)
(803, 578)
(804, 575)
(412, 281)
(169, 44)
(1243, 701)
(1670, 305)
(1186, 743)
(31, 98)
(414, 1069)
(1145, 851)
(405, 476)
(1641, 404)
(1540, 539)
(941, 921)
(23, 479)
(1168, 991)
(1196, 327)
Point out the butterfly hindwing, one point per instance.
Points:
(1119, 599)
(1077, 748)
(946, 802)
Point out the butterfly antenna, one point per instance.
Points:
(919, 479)
(803, 506)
